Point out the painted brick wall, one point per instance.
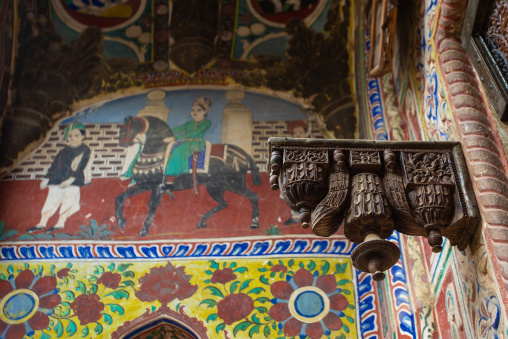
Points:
(262, 130)
(108, 156)
(102, 140)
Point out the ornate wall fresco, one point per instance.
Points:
(237, 298)
(457, 294)
(145, 43)
(215, 177)
(212, 224)
(250, 252)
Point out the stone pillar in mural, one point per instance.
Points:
(156, 106)
(237, 122)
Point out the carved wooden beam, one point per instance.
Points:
(374, 188)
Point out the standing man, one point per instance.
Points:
(68, 172)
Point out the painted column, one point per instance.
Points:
(237, 122)
(156, 106)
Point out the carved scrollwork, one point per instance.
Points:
(365, 160)
(417, 188)
(304, 183)
(427, 168)
(312, 156)
(405, 220)
(329, 214)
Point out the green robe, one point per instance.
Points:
(178, 162)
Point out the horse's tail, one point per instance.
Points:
(256, 177)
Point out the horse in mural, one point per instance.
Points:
(225, 173)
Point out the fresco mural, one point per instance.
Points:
(253, 298)
(130, 171)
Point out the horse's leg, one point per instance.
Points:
(121, 198)
(238, 186)
(217, 193)
(155, 200)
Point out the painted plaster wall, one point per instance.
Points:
(455, 294)
(95, 265)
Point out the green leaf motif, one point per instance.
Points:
(244, 325)
(214, 264)
(128, 274)
(111, 267)
(325, 268)
(245, 284)
(215, 291)
(209, 302)
(127, 283)
(10, 269)
(351, 320)
(98, 329)
(340, 268)
(220, 327)
(311, 266)
(346, 329)
(264, 280)
(346, 292)
(92, 278)
(352, 307)
(232, 265)
(343, 282)
(291, 263)
(262, 300)
(93, 288)
(262, 269)
(84, 332)
(107, 319)
(69, 295)
(71, 328)
(211, 317)
(118, 294)
(99, 270)
(256, 290)
(123, 267)
(240, 270)
(261, 309)
(116, 309)
(255, 319)
(254, 330)
(272, 274)
(208, 272)
(342, 336)
(233, 287)
(266, 331)
(44, 335)
(58, 328)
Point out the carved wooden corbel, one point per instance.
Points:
(374, 188)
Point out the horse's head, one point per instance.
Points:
(129, 130)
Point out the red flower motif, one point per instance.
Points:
(88, 308)
(25, 291)
(165, 284)
(64, 272)
(279, 268)
(235, 307)
(326, 285)
(111, 280)
(223, 276)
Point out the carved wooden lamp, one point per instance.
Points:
(416, 188)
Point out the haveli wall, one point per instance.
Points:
(438, 96)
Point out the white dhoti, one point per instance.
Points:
(65, 198)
